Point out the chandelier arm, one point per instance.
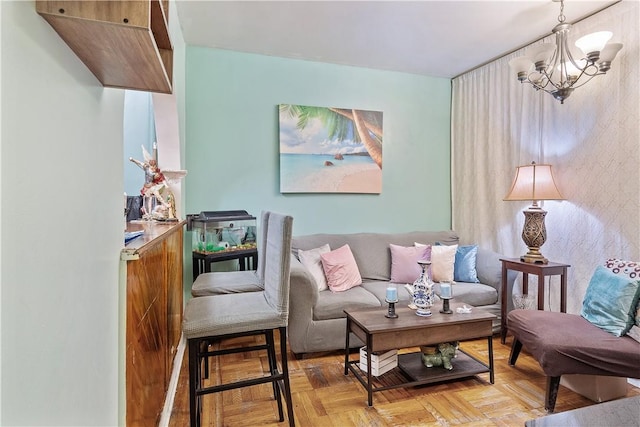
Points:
(575, 86)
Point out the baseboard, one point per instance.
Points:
(173, 385)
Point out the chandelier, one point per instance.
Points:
(554, 67)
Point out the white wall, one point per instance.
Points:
(61, 192)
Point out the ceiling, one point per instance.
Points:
(434, 38)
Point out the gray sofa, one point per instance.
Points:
(316, 318)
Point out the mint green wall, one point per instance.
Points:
(232, 148)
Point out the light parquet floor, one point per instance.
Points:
(323, 396)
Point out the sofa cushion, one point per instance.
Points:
(404, 262)
(379, 289)
(475, 294)
(341, 269)
(331, 305)
(371, 250)
(312, 261)
(610, 301)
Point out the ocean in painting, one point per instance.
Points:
(300, 173)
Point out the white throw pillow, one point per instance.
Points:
(311, 261)
(443, 258)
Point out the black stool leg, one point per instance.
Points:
(204, 347)
(194, 381)
(285, 373)
(273, 370)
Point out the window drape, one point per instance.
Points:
(592, 141)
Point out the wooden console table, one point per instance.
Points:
(153, 266)
(540, 270)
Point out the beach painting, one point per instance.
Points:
(330, 150)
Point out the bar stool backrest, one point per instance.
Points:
(278, 263)
(262, 244)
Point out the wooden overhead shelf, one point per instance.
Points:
(125, 44)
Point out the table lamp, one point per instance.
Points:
(534, 182)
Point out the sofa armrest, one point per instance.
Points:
(303, 293)
(489, 269)
(303, 296)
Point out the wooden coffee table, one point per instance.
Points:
(409, 330)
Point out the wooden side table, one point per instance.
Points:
(540, 270)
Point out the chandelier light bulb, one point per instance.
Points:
(572, 70)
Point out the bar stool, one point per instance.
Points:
(220, 317)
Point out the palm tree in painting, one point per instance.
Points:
(365, 126)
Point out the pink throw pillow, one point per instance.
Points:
(341, 269)
(404, 262)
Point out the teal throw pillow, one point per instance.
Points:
(610, 301)
(464, 269)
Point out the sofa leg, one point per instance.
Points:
(516, 346)
(553, 384)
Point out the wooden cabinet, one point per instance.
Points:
(153, 318)
(125, 44)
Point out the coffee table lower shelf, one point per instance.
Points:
(463, 366)
(411, 372)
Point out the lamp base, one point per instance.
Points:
(534, 234)
(534, 258)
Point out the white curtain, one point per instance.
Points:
(592, 141)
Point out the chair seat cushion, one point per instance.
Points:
(211, 316)
(564, 343)
(226, 282)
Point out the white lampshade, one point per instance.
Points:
(609, 52)
(533, 182)
(542, 52)
(593, 42)
(521, 65)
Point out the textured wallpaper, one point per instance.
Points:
(592, 141)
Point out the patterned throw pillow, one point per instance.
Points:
(630, 269)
